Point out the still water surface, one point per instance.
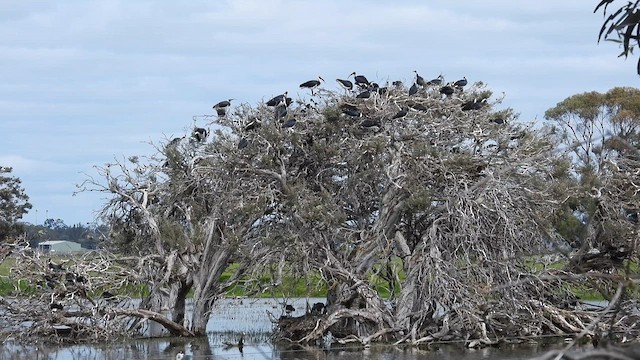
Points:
(234, 316)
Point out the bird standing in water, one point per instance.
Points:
(239, 345)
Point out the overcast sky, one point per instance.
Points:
(83, 82)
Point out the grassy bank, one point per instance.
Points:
(311, 286)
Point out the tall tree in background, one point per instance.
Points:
(621, 26)
(14, 203)
(600, 131)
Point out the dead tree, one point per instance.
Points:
(415, 210)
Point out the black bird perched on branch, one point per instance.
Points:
(419, 79)
(364, 95)
(280, 99)
(243, 143)
(400, 114)
(311, 84)
(223, 104)
(447, 90)
(436, 81)
(221, 112)
(370, 123)
(352, 112)
(107, 295)
(360, 80)
(199, 134)
(55, 267)
(289, 309)
(498, 120)
(280, 111)
(253, 124)
(461, 83)
(317, 308)
(346, 84)
(413, 89)
(473, 104)
(289, 123)
(418, 107)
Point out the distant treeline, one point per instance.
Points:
(88, 235)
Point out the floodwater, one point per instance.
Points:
(251, 316)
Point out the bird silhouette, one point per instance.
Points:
(360, 80)
(447, 90)
(243, 143)
(364, 95)
(400, 114)
(413, 89)
(288, 309)
(277, 100)
(461, 83)
(312, 84)
(55, 267)
(419, 79)
(346, 84)
(289, 123)
(223, 104)
(240, 344)
(436, 81)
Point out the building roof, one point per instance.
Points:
(55, 242)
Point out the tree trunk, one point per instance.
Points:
(178, 297)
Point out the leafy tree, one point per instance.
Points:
(597, 127)
(621, 26)
(14, 203)
(600, 131)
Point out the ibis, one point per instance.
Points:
(289, 123)
(436, 81)
(239, 344)
(223, 104)
(400, 114)
(317, 308)
(280, 99)
(370, 123)
(253, 124)
(346, 84)
(289, 309)
(55, 267)
(419, 107)
(419, 79)
(461, 83)
(413, 89)
(447, 90)
(364, 95)
(352, 112)
(312, 84)
(280, 111)
(199, 134)
(360, 80)
(473, 104)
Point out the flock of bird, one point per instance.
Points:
(360, 88)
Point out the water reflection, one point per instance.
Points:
(234, 316)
